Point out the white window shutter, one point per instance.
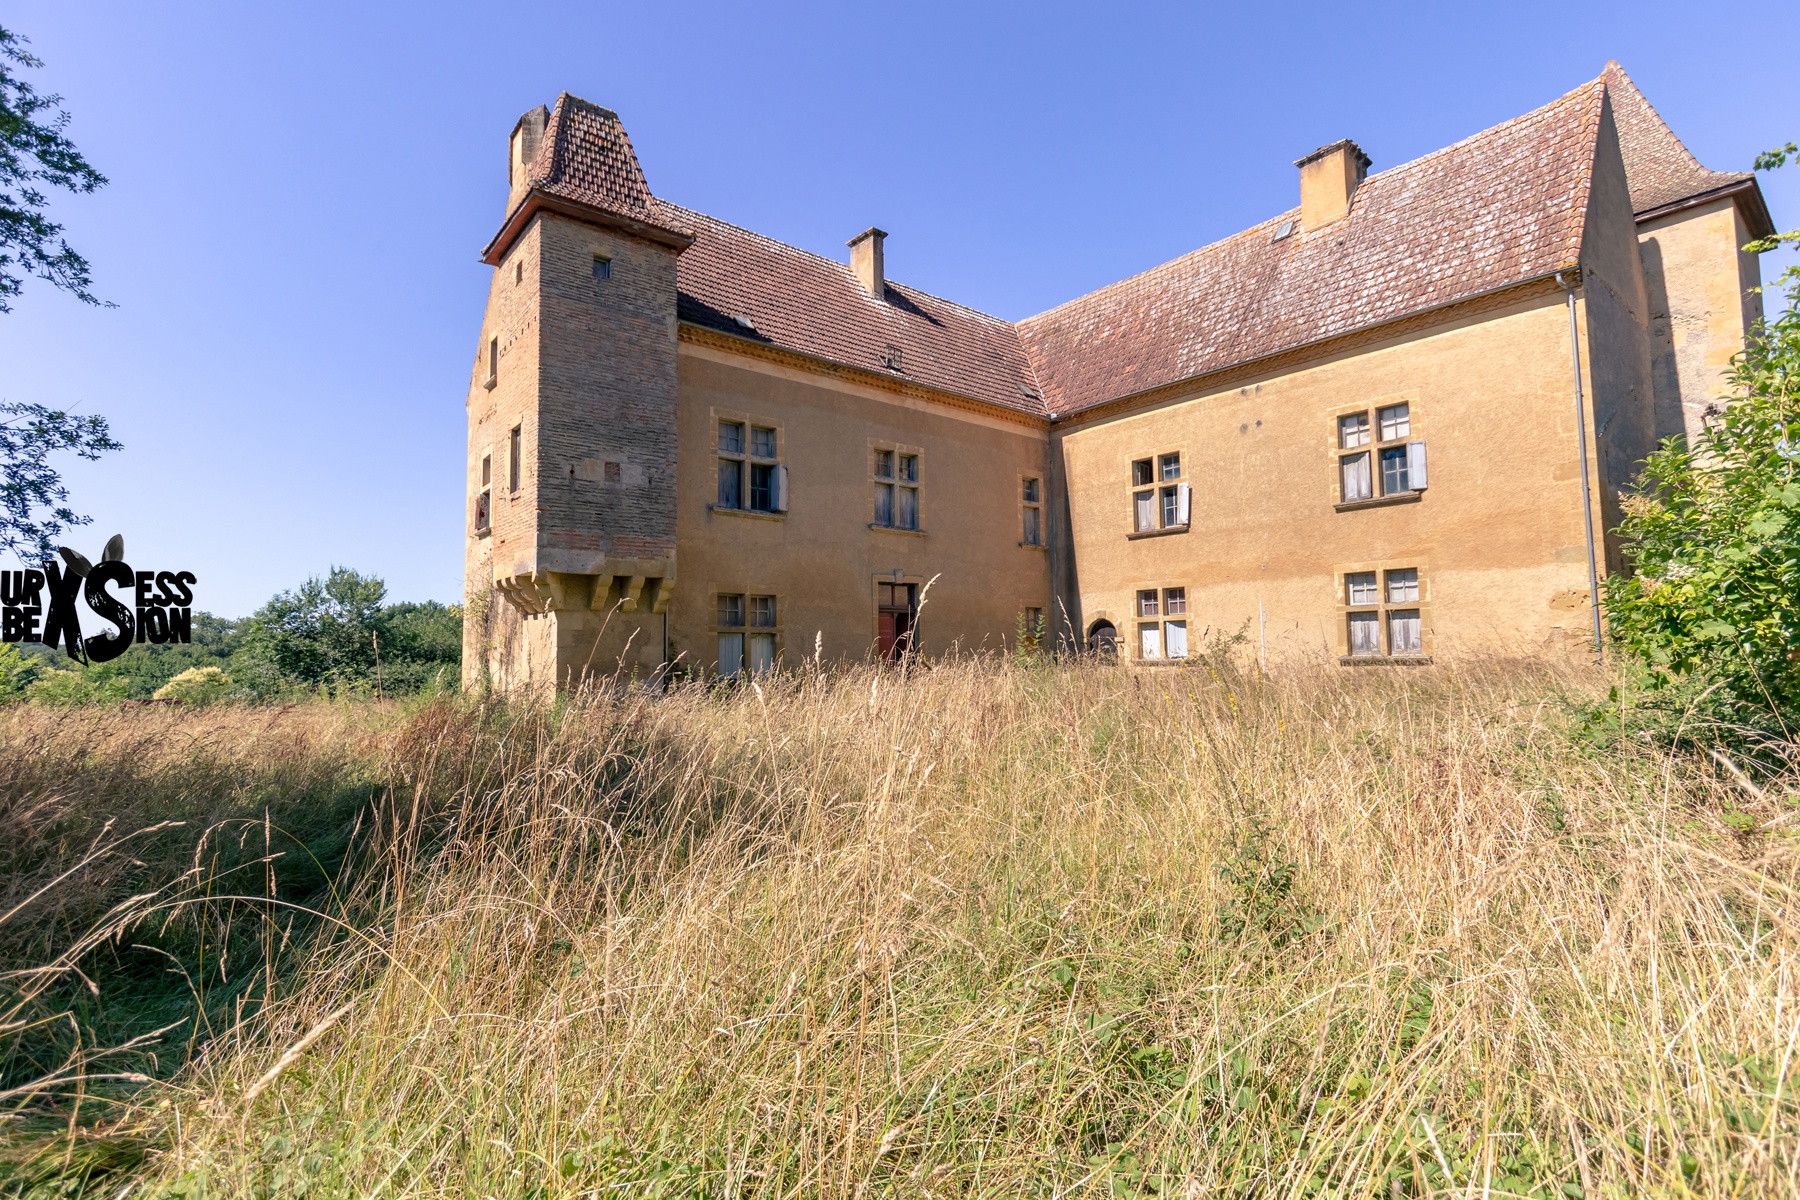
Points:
(1415, 465)
(1184, 496)
(781, 488)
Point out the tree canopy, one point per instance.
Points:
(35, 153)
(1713, 533)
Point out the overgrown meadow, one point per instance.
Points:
(987, 929)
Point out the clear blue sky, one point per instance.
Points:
(299, 192)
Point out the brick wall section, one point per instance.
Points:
(512, 316)
(606, 394)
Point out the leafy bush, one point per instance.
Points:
(74, 687)
(1714, 536)
(197, 686)
(16, 673)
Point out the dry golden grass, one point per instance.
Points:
(988, 931)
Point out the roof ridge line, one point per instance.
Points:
(1294, 212)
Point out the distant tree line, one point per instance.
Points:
(335, 635)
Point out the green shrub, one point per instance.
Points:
(78, 686)
(197, 686)
(16, 674)
(1713, 533)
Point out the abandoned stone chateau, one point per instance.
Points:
(1372, 426)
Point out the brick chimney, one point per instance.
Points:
(522, 151)
(1328, 179)
(865, 261)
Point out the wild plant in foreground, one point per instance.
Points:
(998, 930)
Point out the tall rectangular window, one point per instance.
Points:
(1031, 505)
(515, 449)
(1382, 460)
(746, 628)
(1403, 631)
(751, 477)
(1162, 622)
(1143, 507)
(1393, 471)
(1159, 498)
(1383, 615)
(760, 646)
(484, 496)
(906, 508)
(1032, 620)
(731, 633)
(895, 484)
(493, 361)
(896, 615)
(906, 513)
(1353, 431)
(762, 487)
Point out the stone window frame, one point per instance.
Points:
(902, 577)
(1337, 453)
(1383, 607)
(492, 377)
(515, 458)
(1159, 483)
(916, 484)
(746, 460)
(748, 595)
(484, 493)
(1026, 608)
(1026, 505)
(1161, 619)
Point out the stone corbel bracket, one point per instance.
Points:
(626, 585)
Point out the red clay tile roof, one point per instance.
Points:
(1658, 169)
(1499, 208)
(586, 157)
(813, 305)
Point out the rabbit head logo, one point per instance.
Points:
(150, 606)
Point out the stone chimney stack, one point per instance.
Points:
(865, 261)
(1328, 179)
(522, 151)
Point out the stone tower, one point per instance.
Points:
(570, 559)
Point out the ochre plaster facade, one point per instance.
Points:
(613, 550)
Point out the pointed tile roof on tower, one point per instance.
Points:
(585, 159)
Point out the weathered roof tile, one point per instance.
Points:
(1495, 209)
(812, 305)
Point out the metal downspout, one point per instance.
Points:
(1587, 501)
